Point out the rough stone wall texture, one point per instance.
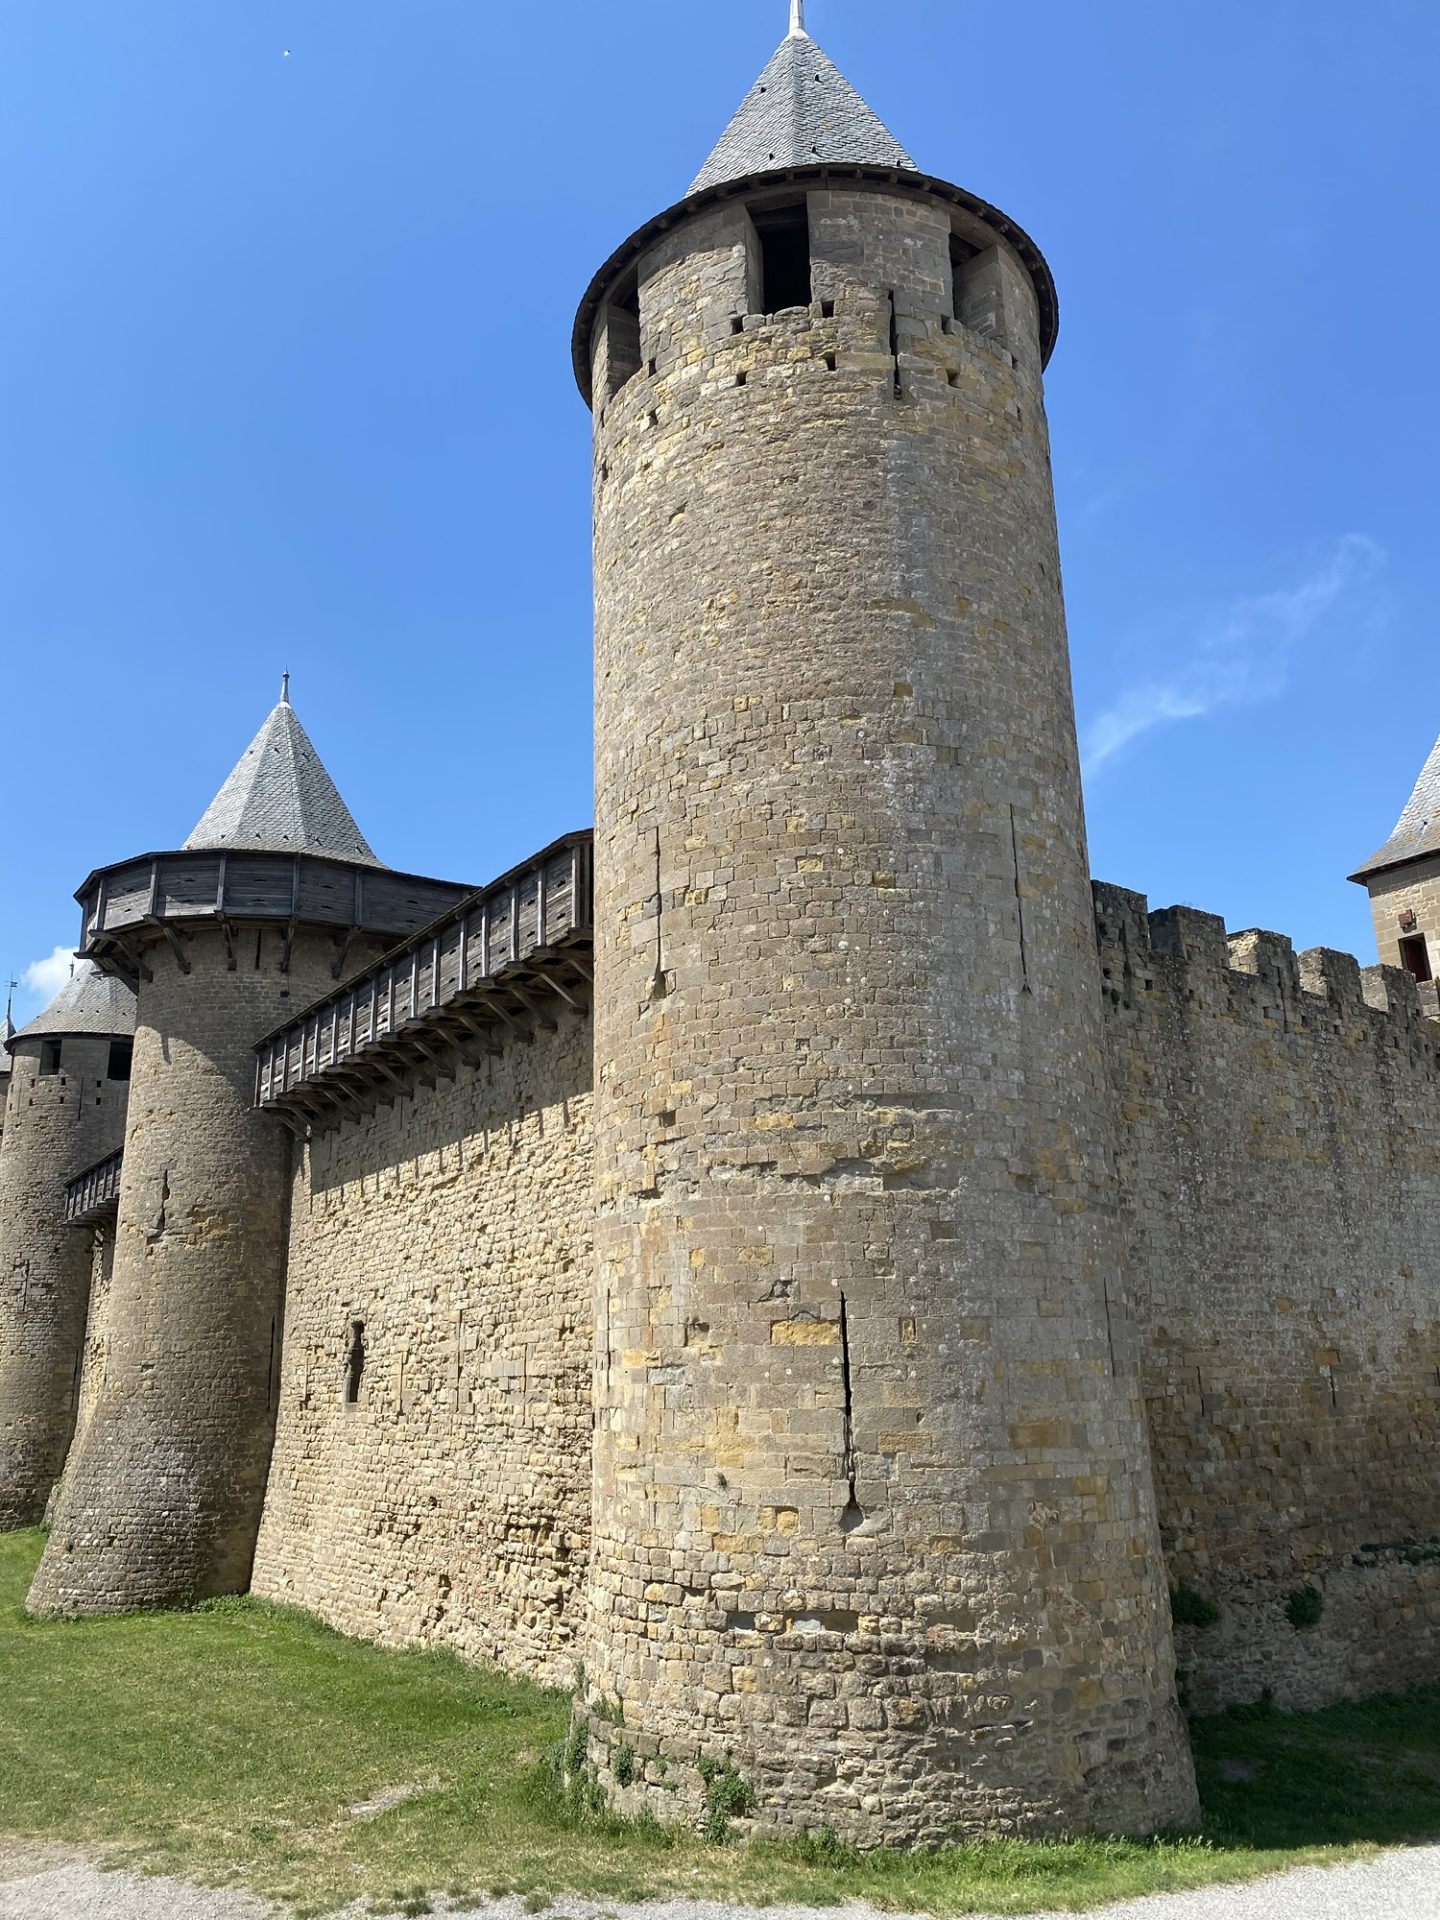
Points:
(95, 1350)
(162, 1499)
(873, 1509)
(1280, 1176)
(58, 1124)
(450, 1501)
(1414, 888)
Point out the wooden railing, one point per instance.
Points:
(507, 957)
(90, 1193)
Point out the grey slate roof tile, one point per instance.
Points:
(280, 799)
(89, 1002)
(1417, 831)
(801, 112)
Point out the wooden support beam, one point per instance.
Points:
(518, 1027)
(174, 941)
(538, 1013)
(563, 991)
(343, 943)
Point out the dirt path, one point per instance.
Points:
(51, 1883)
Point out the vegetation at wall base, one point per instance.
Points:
(1191, 1609)
(249, 1745)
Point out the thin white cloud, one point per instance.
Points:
(1244, 653)
(44, 978)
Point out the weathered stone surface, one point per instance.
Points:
(1280, 1141)
(58, 1123)
(449, 1501)
(873, 1509)
(162, 1500)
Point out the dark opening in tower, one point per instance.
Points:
(623, 329)
(784, 234)
(49, 1056)
(355, 1363)
(1415, 957)
(121, 1054)
(961, 254)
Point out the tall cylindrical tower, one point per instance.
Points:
(69, 1078)
(274, 896)
(873, 1520)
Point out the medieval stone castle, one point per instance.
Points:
(801, 1256)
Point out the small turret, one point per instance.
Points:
(1403, 881)
(274, 895)
(69, 1079)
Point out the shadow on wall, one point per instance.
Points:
(438, 1128)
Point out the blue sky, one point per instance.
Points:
(284, 381)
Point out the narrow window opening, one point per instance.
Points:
(1414, 957)
(737, 323)
(961, 254)
(121, 1054)
(622, 332)
(784, 234)
(827, 309)
(831, 362)
(355, 1363)
(854, 1515)
(895, 345)
(742, 379)
(50, 1056)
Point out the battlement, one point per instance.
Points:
(1147, 955)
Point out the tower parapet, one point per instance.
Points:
(873, 1511)
(68, 1084)
(274, 895)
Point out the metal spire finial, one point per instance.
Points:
(797, 20)
(10, 986)
(285, 688)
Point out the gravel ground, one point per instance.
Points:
(39, 1883)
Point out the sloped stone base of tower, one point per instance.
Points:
(920, 1784)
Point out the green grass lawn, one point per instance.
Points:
(229, 1744)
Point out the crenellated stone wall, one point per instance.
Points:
(1280, 1179)
(444, 1496)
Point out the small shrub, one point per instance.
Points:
(1304, 1608)
(622, 1765)
(728, 1796)
(1191, 1609)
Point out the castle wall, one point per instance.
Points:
(162, 1497)
(59, 1124)
(99, 1244)
(872, 1496)
(450, 1502)
(1280, 1179)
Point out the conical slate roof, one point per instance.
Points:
(280, 799)
(1417, 831)
(801, 112)
(89, 1002)
(7, 1034)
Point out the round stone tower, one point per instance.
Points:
(273, 897)
(873, 1516)
(68, 1080)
